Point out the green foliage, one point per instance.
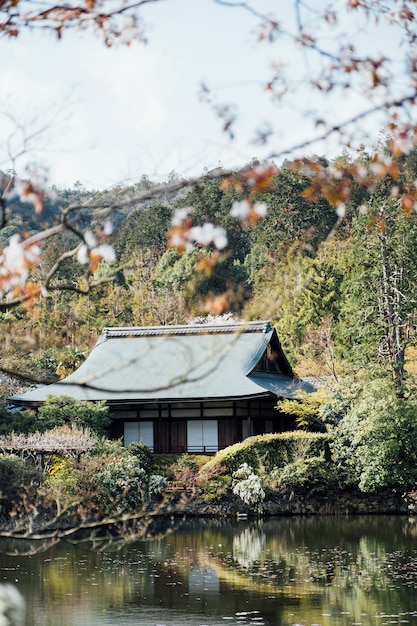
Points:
(16, 421)
(214, 487)
(265, 452)
(194, 275)
(17, 479)
(69, 360)
(142, 453)
(61, 478)
(122, 484)
(303, 291)
(185, 462)
(144, 229)
(64, 410)
(324, 296)
(306, 410)
(108, 447)
(46, 361)
(290, 216)
(162, 463)
(312, 473)
(378, 293)
(374, 444)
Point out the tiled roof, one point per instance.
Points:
(176, 364)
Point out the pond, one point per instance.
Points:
(282, 571)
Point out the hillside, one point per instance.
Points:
(314, 281)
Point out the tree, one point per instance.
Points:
(144, 229)
(375, 442)
(378, 307)
(64, 410)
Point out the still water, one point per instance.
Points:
(285, 571)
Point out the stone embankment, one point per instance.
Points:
(298, 503)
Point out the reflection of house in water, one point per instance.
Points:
(203, 581)
(181, 389)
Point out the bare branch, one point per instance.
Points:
(27, 377)
(410, 98)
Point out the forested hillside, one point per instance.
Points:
(339, 286)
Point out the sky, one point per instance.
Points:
(110, 116)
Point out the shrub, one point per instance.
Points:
(142, 453)
(185, 470)
(45, 361)
(157, 484)
(64, 410)
(265, 452)
(17, 479)
(247, 485)
(64, 439)
(374, 445)
(214, 489)
(108, 447)
(122, 484)
(312, 473)
(16, 421)
(61, 477)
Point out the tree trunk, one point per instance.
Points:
(391, 297)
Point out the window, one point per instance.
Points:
(139, 431)
(202, 436)
(247, 428)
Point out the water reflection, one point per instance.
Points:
(247, 545)
(180, 572)
(203, 580)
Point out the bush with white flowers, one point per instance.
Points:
(247, 485)
(122, 484)
(157, 484)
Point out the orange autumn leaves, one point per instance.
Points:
(335, 182)
(16, 261)
(184, 235)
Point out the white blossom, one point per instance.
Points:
(247, 485)
(106, 252)
(90, 249)
(82, 254)
(240, 209)
(157, 484)
(341, 210)
(12, 606)
(89, 239)
(180, 215)
(260, 208)
(108, 228)
(208, 233)
(177, 240)
(361, 173)
(15, 261)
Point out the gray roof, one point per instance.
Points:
(177, 363)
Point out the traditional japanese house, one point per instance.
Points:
(195, 388)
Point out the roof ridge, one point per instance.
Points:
(186, 329)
